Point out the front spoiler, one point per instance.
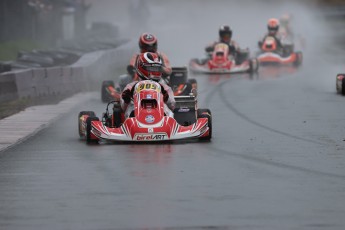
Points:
(270, 57)
(197, 68)
(169, 130)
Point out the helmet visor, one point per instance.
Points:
(225, 35)
(152, 67)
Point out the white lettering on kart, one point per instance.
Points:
(150, 137)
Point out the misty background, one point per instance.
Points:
(184, 25)
(183, 28)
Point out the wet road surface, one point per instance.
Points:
(276, 161)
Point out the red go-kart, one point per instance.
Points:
(148, 121)
(222, 61)
(270, 53)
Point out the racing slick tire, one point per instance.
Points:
(340, 83)
(104, 93)
(90, 114)
(89, 139)
(117, 114)
(206, 113)
(253, 65)
(299, 59)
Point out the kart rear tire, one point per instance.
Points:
(343, 87)
(206, 113)
(104, 94)
(90, 114)
(89, 140)
(254, 65)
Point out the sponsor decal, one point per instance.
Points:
(184, 110)
(149, 119)
(150, 130)
(146, 85)
(148, 96)
(150, 137)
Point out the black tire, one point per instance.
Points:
(206, 113)
(254, 65)
(89, 113)
(88, 130)
(104, 94)
(343, 87)
(117, 112)
(299, 59)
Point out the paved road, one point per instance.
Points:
(276, 161)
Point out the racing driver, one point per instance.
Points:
(149, 66)
(273, 28)
(149, 43)
(225, 35)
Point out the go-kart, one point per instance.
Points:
(148, 121)
(270, 53)
(340, 83)
(177, 81)
(222, 61)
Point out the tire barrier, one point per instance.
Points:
(85, 75)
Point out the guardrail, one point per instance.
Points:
(85, 75)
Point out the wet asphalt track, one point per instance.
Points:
(276, 161)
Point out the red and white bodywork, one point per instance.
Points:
(221, 61)
(149, 122)
(269, 54)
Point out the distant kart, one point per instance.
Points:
(148, 121)
(222, 61)
(340, 83)
(178, 81)
(269, 54)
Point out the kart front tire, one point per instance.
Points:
(89, 140)
(299, 59)
(254, 65)
(90, 114)
(206, 113)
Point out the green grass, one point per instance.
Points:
(9, 50)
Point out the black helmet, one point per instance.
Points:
(225, 33)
